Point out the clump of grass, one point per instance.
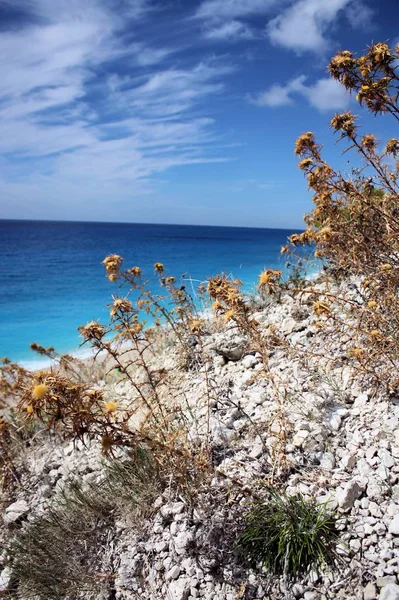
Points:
(288, 535)
(64, 553)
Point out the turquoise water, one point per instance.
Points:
(52, 279)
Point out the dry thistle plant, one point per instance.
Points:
(151, 415)
(355, 223)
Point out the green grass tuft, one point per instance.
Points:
(289, 535)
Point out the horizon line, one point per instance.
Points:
(147, 223)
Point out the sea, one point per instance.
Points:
(52, 279)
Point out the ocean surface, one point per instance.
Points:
(52, 279)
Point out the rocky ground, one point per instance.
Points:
(315, 418)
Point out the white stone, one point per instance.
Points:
(182, 540)
(300, 437)
(347, 495)
(327, 461)
(348, 461)
(257, 451)
(370, 592)
(179, 590)
(173, 573)
(249, 361)
(5, 577)
(386, 459)
(15, 511)
(394, 526)
(390, 592)
(335, 422)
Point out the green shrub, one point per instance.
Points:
(288, 535)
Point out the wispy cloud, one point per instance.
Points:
(325, 94)
(230, 30)
(305, 24)
(227, 20)
(81, 98)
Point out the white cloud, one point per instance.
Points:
(304, 26)
(277, 94)
(325, 94)
(230, 30)
(225, 19)
(81, 107)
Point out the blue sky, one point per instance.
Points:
(172, 111)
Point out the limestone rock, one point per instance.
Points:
(179, 589)
(232, 348)
(5, 577)
(347, 495)
(394, 525)
(15, 511)
(390, 592)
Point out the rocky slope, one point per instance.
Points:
(315, 418)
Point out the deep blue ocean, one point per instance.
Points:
(52, 279)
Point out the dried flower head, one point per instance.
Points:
(229, 315)
(113, 264)
(121, 306)
(135, 271)
(110, 407)
(344, 122)
(159, 268)
(392, 147)
(321, 308)
(195, 325)
(40, 390)
(305, 142)
(92, 331)
(369, 141)
(269, 278)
